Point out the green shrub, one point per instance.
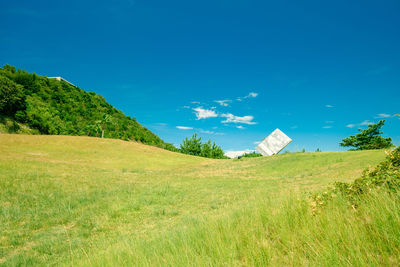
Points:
(385, 176)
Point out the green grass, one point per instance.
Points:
(89, 201)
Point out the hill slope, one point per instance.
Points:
(50, 106)
(91, 201)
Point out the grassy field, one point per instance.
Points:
(87, 201)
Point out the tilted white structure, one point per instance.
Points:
(274, 143)
(62, 79)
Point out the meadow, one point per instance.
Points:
(81, 201)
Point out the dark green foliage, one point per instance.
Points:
(195, 147)
(386, 176)
(191, 146)
(10, 96)
(368, 139)
(56, 107)
(318, 150)
(251, 155)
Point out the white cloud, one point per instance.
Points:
(327, 127)
(195, 102)
(236, 119)
(207, 132)
(223, 103)
(329, 106)
(184, 128)
(204, 113)
(383, 115)
(186, 107)
(256, 142)
(366, 122)
(329, 121)
(294, 127)
(252, 94)
(240, 127)
(235, 154)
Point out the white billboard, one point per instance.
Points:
(274, 143)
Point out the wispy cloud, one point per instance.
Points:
(250, 95)
(195, 102)
(366, 122)
(382, 115)
(352, 125)
(294, 127)
(230, 118)
(223, 103)
(240, 127)
(327, 126)
(329, 106)
(329, 122)
(202, 113)
(184, 128)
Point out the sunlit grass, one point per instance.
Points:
(79, 200)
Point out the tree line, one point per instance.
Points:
(57, 107)
(50, 106)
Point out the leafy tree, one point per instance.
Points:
(207, 150)
(195, 147)
(192, 146)
(10, 96)
(104, 120)
(368, 139)
(217, 152)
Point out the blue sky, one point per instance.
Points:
(317, 70)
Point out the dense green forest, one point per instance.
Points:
(50, 106)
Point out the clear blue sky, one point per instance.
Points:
(317, 70)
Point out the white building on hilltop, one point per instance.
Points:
(62, 79)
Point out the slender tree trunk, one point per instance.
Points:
(102, 132)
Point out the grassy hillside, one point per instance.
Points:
(88, 201)
(50, 106)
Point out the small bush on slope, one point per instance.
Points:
(385, 176)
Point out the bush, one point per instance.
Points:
(385, 176)
(195, 147)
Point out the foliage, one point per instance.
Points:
(195, 147)
(368, 139)
(253, 154)
(385, 176)
(10, 96)
(57, 107)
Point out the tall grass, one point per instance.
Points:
(86, 201)
(276, 232)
